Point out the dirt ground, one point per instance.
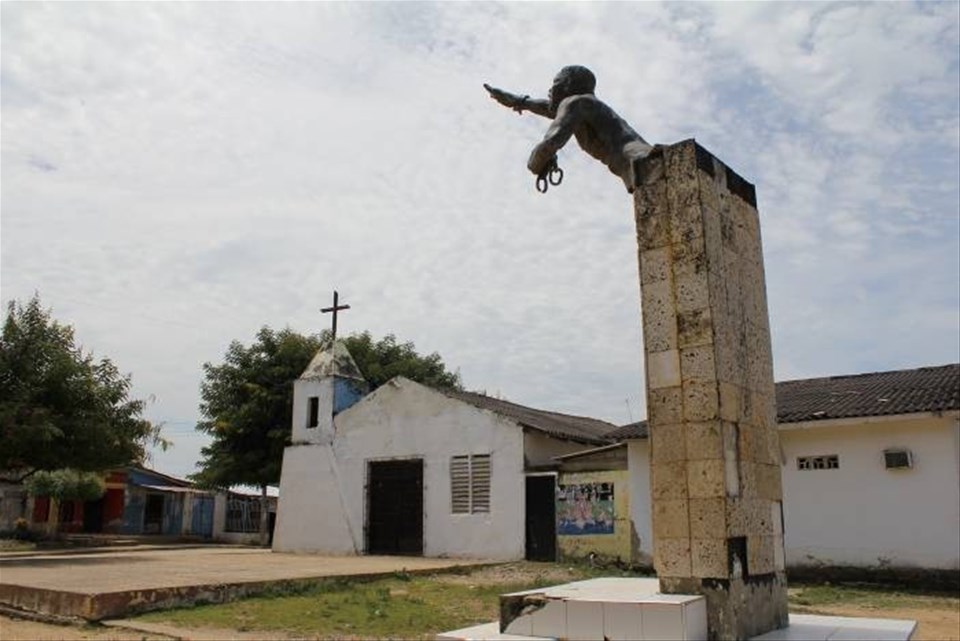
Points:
(935, 623)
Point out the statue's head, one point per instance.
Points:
(571, 81)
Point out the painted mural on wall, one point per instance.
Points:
(585, 508)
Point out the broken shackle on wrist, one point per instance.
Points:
(552, 175)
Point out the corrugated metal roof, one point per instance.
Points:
(178, 489)
(576, 428)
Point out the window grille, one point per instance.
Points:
(824, 462)
(243, 514)
(897, 459)
(470, 484)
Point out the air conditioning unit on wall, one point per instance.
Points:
(898, 458)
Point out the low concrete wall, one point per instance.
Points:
(61, 604)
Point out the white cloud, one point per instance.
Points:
(177, 175)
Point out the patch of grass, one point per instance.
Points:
(866, 596)
(401, 606)
(397, 608)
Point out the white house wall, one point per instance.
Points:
(863, 514)
(403, 419)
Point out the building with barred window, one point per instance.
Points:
(871, 471)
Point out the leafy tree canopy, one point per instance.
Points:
(59, 407)
(66, 485)
(247, 401)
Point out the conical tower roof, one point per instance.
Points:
(332, 360)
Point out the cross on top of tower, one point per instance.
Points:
(336, 308)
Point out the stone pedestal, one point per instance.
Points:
(715, 455)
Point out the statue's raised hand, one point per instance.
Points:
(506, 98)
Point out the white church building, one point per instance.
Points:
(408, 469)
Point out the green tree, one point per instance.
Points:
(60, 408)
(247, 401)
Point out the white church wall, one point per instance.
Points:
(863, 514)
(303, 389)
(310, 511)
(406, 420)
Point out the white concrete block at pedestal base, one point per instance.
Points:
(608, 608)
(485, 632)
(811, 627)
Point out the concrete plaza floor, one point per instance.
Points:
(98, 583)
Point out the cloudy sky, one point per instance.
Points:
(177, 175)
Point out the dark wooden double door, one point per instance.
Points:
(395, 507)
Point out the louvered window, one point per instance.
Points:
(470, 484)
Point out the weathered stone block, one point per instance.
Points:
(709, 558)
(651, 212)
(761, 518)
(709, 191)
(667, 443)
(779, 554)
(689, 259)
(769, 481)
(700, 401)
(659, 317)
(760, 554)
(712, 240)
(737, 517)
(691, 292)
(655, 265)
(668, 480)
(672, 557)
(729, 401)
(696, 364)
(704, 440)
(694, 328)
(708, 518)
(705, 479)
(663, 369)
(665, 405)
(670, 519)
(763, 410)
(752, 442)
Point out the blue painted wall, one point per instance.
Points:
(346, 392)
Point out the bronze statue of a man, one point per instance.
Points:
(576, 111)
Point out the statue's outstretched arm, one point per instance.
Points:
(519, 103)
(543, 155)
